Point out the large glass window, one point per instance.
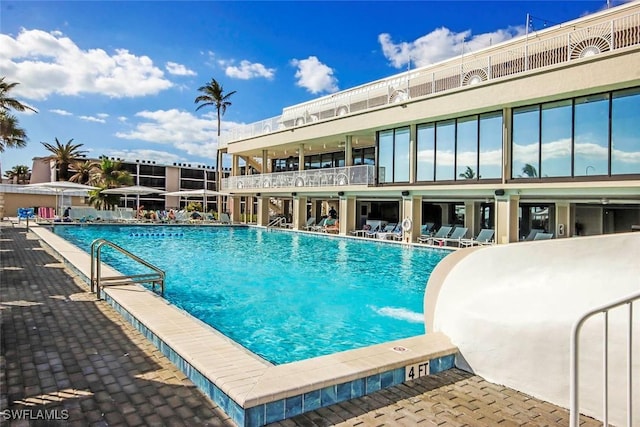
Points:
(401, 156)
(467, 148)
(385, 156)
(445, 149)
(490, 146)
(591, 130)
(526, 142)
(556, 139)
(625, 137)
(425, 152)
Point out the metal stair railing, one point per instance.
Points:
(277, 222)
(574, 409)
(98, 282)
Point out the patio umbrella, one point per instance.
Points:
(61, 187)
(137, 190)
(204, 193)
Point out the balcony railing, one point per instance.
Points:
(361, 175)
(544, 49)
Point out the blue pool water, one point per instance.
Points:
(285, 296)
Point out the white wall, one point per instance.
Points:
(510, 310)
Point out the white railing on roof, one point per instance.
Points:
(327, 177)
(560, 44)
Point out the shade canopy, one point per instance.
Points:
(133, 189)
(195, 193)
(61, 187)
(204, 193)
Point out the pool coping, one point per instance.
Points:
(249, 389)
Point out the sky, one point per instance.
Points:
(121, 77)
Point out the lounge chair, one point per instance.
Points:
(224, 218)
(543, 236)
(455, 237)
(319, 226)
(387, 229)
(310, 223)
(484, 237)
(532, 234)
(442, 233)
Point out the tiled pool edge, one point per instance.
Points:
(314, 397)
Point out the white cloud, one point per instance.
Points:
(179, 69)
(102, 115)
(61, 112)
(440, 44)
(247, 70)
(315, 76)
(92, 119)
(197, 136)
(47, 63)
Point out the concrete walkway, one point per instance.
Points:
(66, 355)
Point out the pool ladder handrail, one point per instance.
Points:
(98, 282)
(277, 222)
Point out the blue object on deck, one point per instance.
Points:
(26, 213)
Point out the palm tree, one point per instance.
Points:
(11, 135)
(529, 171)
(214, 96)
(99, 200)
(468, 174)
(110, 174)
(63, 156)
(19, 174)
(85, 171)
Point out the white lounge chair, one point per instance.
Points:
(484, 237)
(543, 236)
(442, 233)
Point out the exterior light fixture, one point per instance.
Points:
(340, 193)
(499, 192)
(405, 193)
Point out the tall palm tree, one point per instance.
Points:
(11, 135)
(213, 95)
(63, 156)
(20, 174)
(85, 172)
(109, 173)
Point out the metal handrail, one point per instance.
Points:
(97, 280)
(574, 409)
(277, 222)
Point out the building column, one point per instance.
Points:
(564, 227)
(348, 152)
(412, 209)
(265, 161)
(413, 149)
(471, 217)
(507, 218)
(347, 214)
(263, 210)
(507, 128)
(301, 157)
(235, 209)
(299, 212)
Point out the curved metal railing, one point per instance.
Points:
(98, 282)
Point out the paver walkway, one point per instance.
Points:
(63, 351)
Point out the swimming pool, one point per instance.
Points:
(285, 296)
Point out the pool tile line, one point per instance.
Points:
(268, 393)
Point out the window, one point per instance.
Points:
(556, 139)
(467, 148)
(591, 131)
(490, 166)
(526, 142)
(426, 152)
(625, 138)
(445, 150)
(393, 155)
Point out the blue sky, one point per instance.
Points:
(121, 77)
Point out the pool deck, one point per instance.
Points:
(63, 349)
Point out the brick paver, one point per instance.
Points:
(62, 350)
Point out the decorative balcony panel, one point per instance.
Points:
(539, 50)
(361, 175)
